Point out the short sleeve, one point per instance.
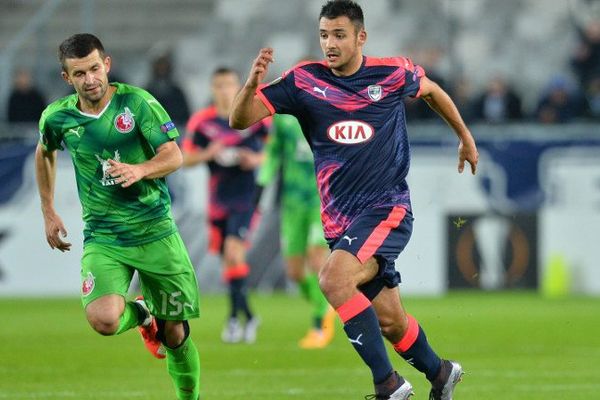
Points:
(50, 138)
(154, 122)
(412, 79)
(279, 96)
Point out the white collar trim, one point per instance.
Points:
(96, 116)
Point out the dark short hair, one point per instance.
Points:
(223, 70)
(344, 8)
(79, 46)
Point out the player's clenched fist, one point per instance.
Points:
(260, 66)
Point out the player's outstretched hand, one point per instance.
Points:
(467, 151)
(54, 230)
(125, 174)
(260, 67)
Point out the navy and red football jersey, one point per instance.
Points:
(231, 188)
(356, 128)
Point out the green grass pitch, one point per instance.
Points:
(512, 346)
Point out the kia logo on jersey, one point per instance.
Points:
(350, 132)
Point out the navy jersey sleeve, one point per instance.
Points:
(280, 95)
(412, 79)
(200, 140)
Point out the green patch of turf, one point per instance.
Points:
(512, 346)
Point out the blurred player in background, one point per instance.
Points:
(304, 247)
(232, 157)
(350, 108)
(122, 144)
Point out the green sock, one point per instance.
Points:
(183, 364)
(315, 297)
(304, 285)
(129, 319)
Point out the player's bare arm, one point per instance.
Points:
(198, 156)
(440, 102)
(247, 107)
(45, 168)
(168, 158)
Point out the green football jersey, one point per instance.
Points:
(287, 149)
(128, 130)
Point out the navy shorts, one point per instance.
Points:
(381, 233)
(236, 223)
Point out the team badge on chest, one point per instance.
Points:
(375, 92)
(124, 121)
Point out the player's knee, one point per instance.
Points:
(328, 280)
(104, 324)
(294, 273)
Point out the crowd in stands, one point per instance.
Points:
(561, 100)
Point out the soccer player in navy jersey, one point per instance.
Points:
(351, 111)
(232, 157)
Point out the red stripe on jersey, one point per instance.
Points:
(381, 232)
(332, 220)
(302, 64)
(342, 99)
(420, 73)
(403, 62)
(198, 117)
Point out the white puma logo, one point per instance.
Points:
(188, 305)
(349, 239)
(322, 91)
(357, 340)
(75, 131)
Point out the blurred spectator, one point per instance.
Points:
(25, 103)
(592, 95)
(586, 60)
(429, 59)
(498, 103)
(559, 103)
(462, 94)
(167, 92)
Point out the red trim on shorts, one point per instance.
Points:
(380, 233)
(410, 336)
(350, 309)
(215, 239)
(236, 272)
(252, 227)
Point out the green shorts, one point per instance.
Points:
(301, 228)
(167, 279)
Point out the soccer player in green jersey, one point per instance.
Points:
(303, 244)
(122, 146)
